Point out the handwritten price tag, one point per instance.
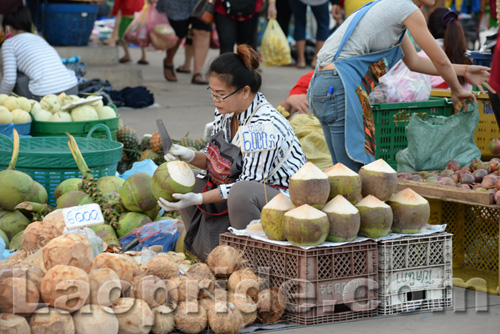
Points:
(257, 137)
(82, 216)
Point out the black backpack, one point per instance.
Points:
(239, 8)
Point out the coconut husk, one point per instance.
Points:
(38, 234)
(18, 295)
(225, 318)
(134, 316)
(23, 270)
(162, 266)
(246, 306)
(206, 280)
(191, 317)
(105, 287)
(152, 290)
(164, 320)
(244, 281)
(270, 306)
(13, 324)
(94, 319)
(119, 263)
(69, 249)
(224, 260)
(49, 320)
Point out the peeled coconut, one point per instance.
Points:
(55, 218)
(34, 259)
(95, 319)
(270, 306)
(5, 116)
(134, 316)
(225, 318)
(38, 234)
(136, 193)
(344, 219)
(118, 263)
(224, 260)
(309, 185)
(246, 306)
(23, 270)
(152, 290)
(410, 210)
(271, 216)
(18, 295)
(51, 103)
(170, 178)
(69, 249)
(83, 114)
(190, 318)
(345, 182)
(65, 287)
(305, 226)
(61, 116)
(162, 266)
(13, 324)
(49, 320)
(105, 287)
(244, 281)
(164, 320)
(42, 115)
(11, 103)
(106, 112)
(376, 217)
(378, 179)
(206, 279)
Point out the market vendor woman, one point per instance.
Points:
(237, 185)
(361, 50)
(31, 67)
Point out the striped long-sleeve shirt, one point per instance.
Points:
(33, 56)
(254, 163)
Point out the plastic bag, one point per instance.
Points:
(137, 31)
(437, 140)
(164, 233)
(274, 48)
(402, 85)
(161, 33)
(144, 166)
(95, 240)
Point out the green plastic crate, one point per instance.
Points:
(391, 119)
(48, 160)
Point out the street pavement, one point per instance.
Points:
(186, 108)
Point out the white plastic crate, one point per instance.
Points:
(415, 273)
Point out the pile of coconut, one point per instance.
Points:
(64, 286)
(338, 205)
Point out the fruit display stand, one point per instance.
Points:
(473, 220)
(487, 128)
(49, 161)
(321, 285)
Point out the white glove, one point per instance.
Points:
(185, 200)
(178, 152)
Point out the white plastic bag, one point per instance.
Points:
(94, 239)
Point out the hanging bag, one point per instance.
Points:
(161, 33)
(137, 31)
(205, 10)
(274, 48)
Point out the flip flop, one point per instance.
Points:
(143, 62)
(180, 70)
(124, 60)
(198, 80)
(172, 72)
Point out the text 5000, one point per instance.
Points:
(258, 137)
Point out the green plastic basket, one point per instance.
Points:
(49, 161)
(391, 119)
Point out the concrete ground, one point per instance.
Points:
(186, 108)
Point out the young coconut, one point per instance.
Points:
(345, 182)
(170, 178)
(110, 183)
(18, 295)
(65, 287)
(152, 290)
(206, 279)
(376, 217)
(49, 320)
(134, 316)
(136, 193)
(105, 287)
(162, 266)
(118, 263)
(224, 260)
(190, 317)
(164, 320)
(13, 324)
(309, 185)
(225, 318)
(129, 221)
(67, 186)
(12, 222)
(244, 281)
(69, 249)
(246, 306)
(271, 216)
(410, 210)
(305, 226)
(378, 179)
(270, 306)
(344, 219)
(94, 319)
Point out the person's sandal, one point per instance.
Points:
(124, 60)
(143, 62)
(169, 68)
(181, 70)
(198, 80)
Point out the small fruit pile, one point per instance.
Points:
(479, 176)
(337, 205)
(15, 109)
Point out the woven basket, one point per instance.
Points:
(49, 161)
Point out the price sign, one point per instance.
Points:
(257, 137)
(82, 216)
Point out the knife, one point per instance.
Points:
(166, 141)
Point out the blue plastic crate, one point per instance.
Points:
(23, 129)
(479, 58)
(67, 24)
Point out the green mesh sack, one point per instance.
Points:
(437, 140)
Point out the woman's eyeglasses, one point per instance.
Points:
(221, 98)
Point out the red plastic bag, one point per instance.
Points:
(137, 31)
(161, 33)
